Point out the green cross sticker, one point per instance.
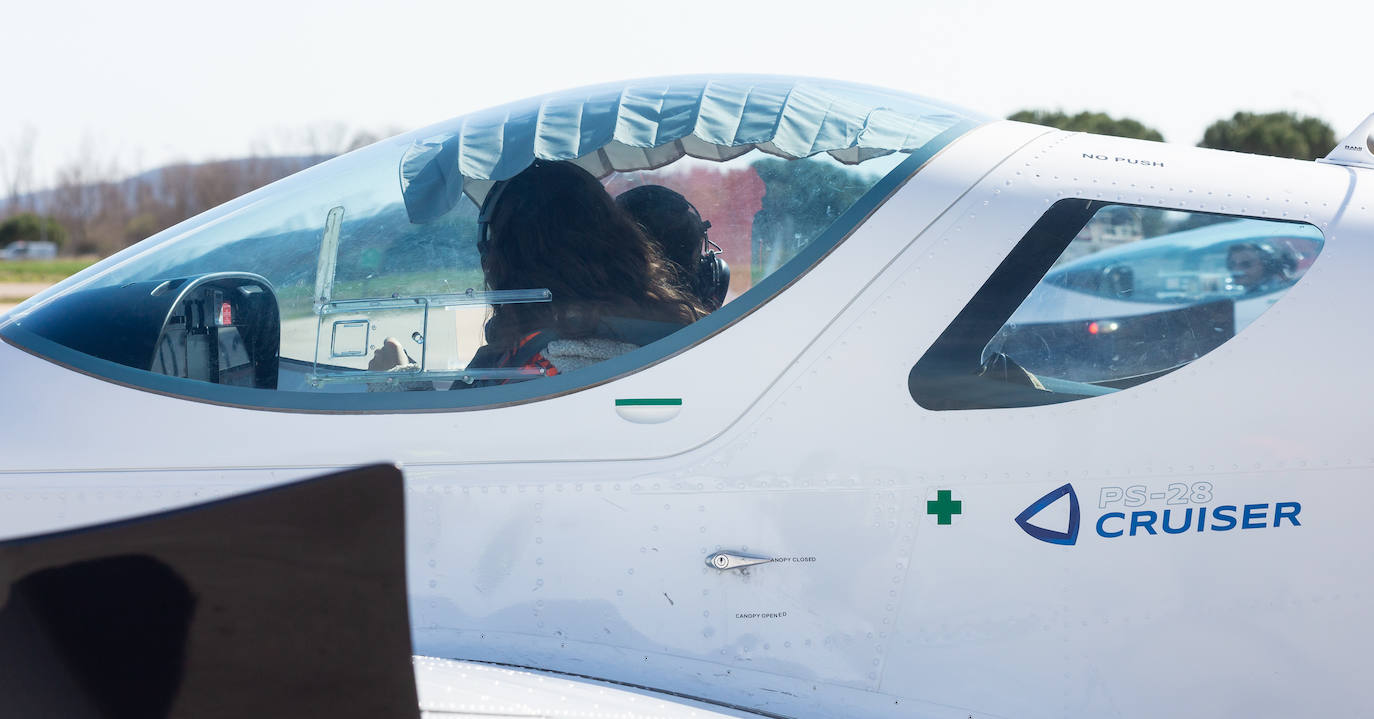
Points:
(944, 507)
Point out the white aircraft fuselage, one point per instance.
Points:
(1214, 567)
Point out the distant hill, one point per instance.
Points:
(103, 217)
(157, 179)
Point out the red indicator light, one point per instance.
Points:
(1093, 328)
(226, 314)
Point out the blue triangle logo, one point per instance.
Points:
(1070, 534)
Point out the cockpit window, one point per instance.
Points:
(556, 238)
(1101, 297)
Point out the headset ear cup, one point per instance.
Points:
(722, 281)
(484, 215)
(712, 280)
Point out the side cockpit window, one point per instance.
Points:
(502, 256)
(1099, 297)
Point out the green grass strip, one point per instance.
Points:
(648, 402)
(41, 270)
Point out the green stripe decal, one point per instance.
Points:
(648, 402)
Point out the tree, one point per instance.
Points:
(1095, 122)
(142, 226)
(76, 203)
(1282, 134)
(801, 199)
(16, 167)
(31, 227)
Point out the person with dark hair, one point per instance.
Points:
(680, 232)
(1259, 267)
(554, 227)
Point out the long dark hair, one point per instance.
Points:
(554, 226)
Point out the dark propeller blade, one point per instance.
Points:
(287, 602)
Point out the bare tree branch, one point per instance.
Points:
(16, 160)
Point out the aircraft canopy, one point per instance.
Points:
(646, 124)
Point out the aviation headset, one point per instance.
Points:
(712, 278)
(484, 217)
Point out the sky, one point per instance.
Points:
(135, 84)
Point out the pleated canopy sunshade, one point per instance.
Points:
(646, 124)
